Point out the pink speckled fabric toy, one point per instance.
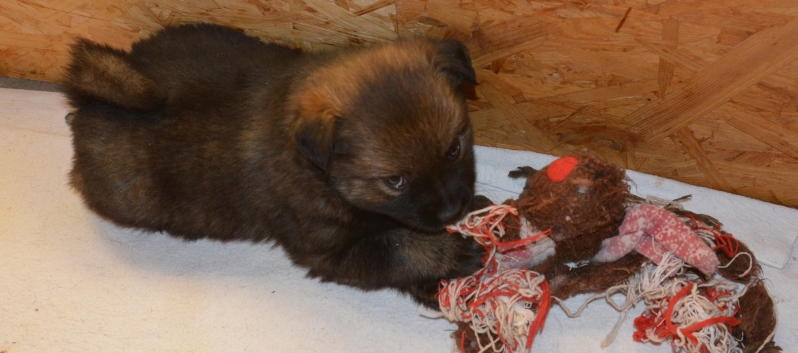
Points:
(653, 232)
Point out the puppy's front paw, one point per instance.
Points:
(471, 256)
(479, 202)
(466, 259)
(425, 293)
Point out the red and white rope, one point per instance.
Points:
(509, 306)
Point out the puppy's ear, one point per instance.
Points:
(451, 57)
(314, 129)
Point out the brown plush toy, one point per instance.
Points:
(572, 231)
(583, 206)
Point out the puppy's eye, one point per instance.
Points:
(454, 150)
(395, 181)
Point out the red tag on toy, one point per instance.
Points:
(559, 169)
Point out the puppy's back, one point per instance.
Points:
(149, 124)
(177, 64)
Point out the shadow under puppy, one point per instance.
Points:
(354, 161)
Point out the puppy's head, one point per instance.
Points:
(389, 128)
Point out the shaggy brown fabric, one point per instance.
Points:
(583, 210)
(469, 343)
(522, 172)
(770, 347)
(741, 269)
(757, 319)
(566, 282)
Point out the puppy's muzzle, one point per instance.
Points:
(456, 208)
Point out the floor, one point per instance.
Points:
(75, 283)
(19, 83)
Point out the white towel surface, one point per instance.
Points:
(70, 282)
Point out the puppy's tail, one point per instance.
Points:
(99, 72)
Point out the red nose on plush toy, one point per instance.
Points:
(559, 169)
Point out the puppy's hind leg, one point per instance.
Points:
(101, 73)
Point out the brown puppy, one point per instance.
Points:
(353, 161)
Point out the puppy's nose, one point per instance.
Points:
(452, 212)
(449, 214)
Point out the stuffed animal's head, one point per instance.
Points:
(582, 198)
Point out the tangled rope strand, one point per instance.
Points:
(508, 306)
(697, 320)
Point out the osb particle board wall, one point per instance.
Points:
(702, 91)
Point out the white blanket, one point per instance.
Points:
(70, 282)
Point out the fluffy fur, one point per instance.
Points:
(353, 161)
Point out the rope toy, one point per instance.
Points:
(701, 287)
(507, 305)
(693, 315)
